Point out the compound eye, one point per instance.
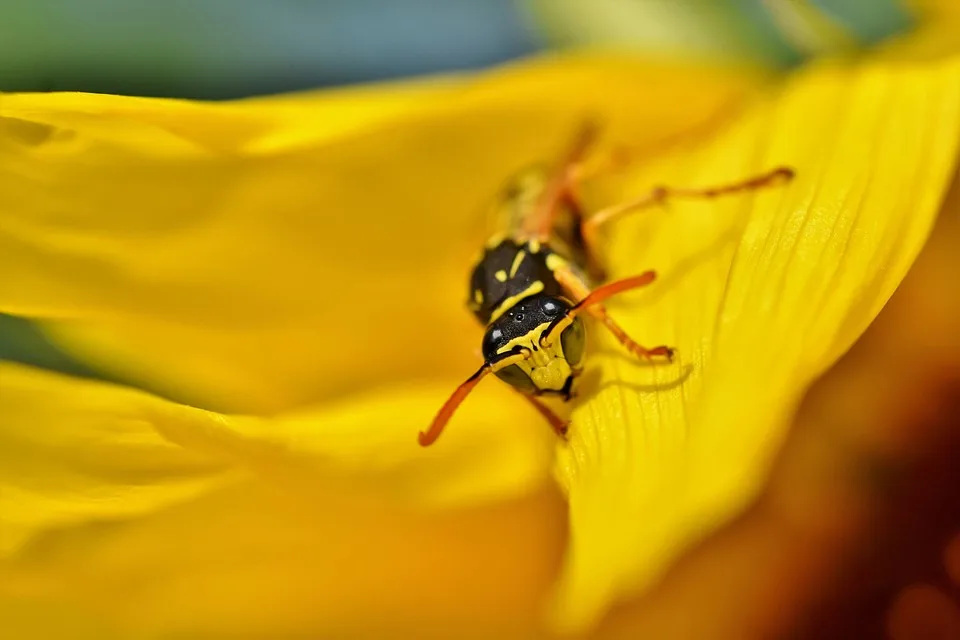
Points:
(572, 341)
(551, 307)
(491, 342)
(516, 377)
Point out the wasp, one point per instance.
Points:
(533, 281)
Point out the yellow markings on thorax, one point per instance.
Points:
(516, 262)
(535, 287)
(555, 262)
(546, 366)
(501, 275)
(534, 246)
(494, 241)
(478, 296)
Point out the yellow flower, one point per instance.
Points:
(296, 267)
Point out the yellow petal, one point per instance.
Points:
(75, 451)
(131, 453)
(760, 293)
(250, 561)
(264, 254)
(123, 515)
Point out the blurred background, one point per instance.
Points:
(218, 49)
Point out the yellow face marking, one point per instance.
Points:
(506, 362)
(534, 246)
(534, 288)
(478, 296)
(516, 263)
(501, 275)
(546, 366)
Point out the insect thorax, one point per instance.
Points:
(509, 271)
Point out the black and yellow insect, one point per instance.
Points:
(533, 281)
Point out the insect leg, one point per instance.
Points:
(539, 223)
(579, 248)
(613, 161)
(658, 195)
(590, 301)
(625, 155)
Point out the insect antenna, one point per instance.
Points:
(428, 437)
(595, 297)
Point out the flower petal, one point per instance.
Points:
(263, 254)
(118, 508)
(75, 451)
(760, 293)
(70, 445)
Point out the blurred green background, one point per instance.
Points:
(231, 48)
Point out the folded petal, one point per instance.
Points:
(268, 253)
(760, 293)
(124, 515)
(73, 450)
